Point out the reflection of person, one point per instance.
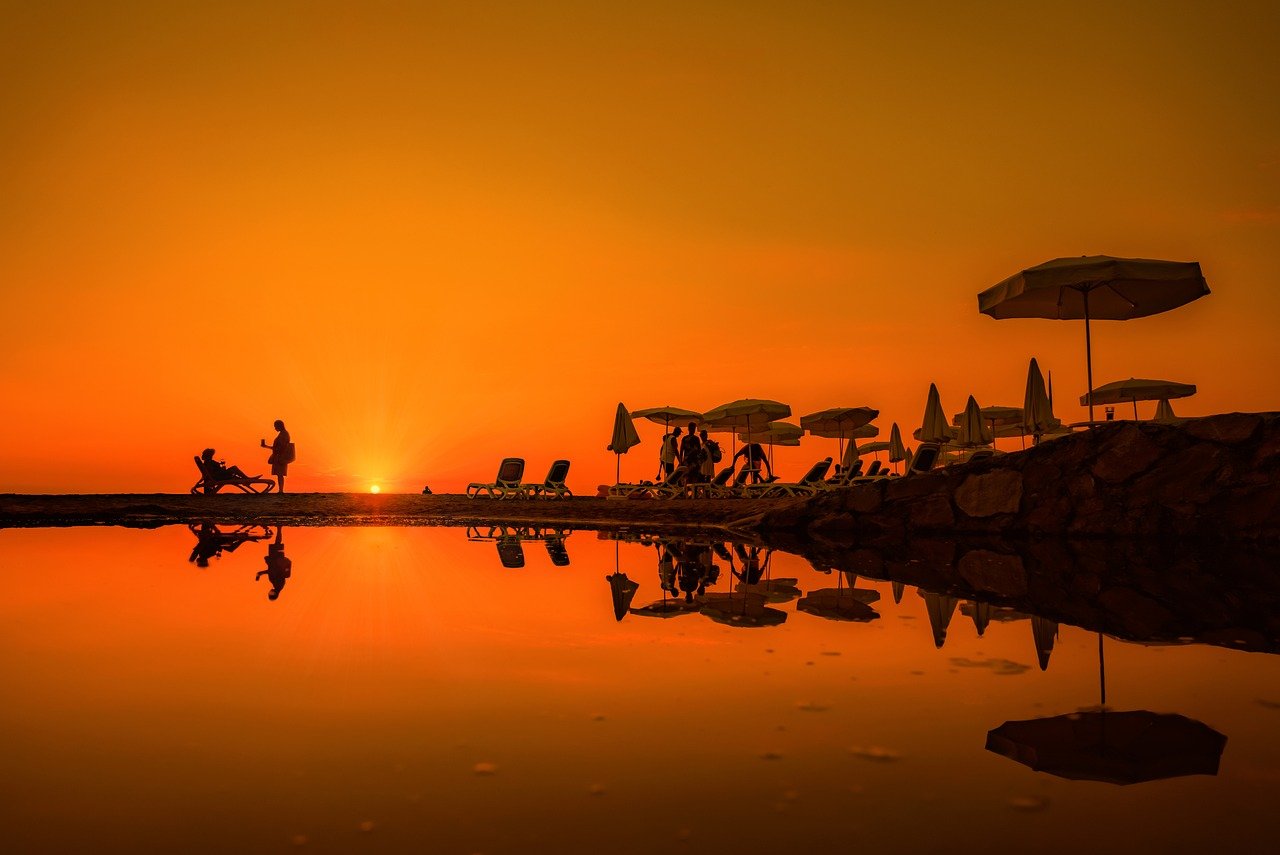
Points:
(281, 453)
(212, 541)
(279, 566)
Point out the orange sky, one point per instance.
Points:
(428, 239)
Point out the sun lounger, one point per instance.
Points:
(668, 488)
(553, 486)
(213, 479)
(925, 458)
(807, 485)
(507, 484)
(717, 488)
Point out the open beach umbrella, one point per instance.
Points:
(624, 437)
(1115, 747)
(1164, 411)
(838, 423)
(743, 414)
(1095, 287)
(873, 447)
(1136, 390)
(973, 427)
(775, 433)
(933, 427)
(847, 604)
(1037, 409)
(993, 417)
(897, 451)
(668, 414)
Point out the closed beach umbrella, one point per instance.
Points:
(852, 451)
(933, 427)
(1136, 390)
(624, 437)
(1125, 747)
(1095, 287)
(973, 427)
(1037, 410)
(1164, 411)
(897, 451)
(623, 591)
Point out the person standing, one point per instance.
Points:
(711, 455)
(667, 455)
(691, 455)
(282, 453)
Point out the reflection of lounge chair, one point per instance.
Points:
(506, 484)
(553, 486)
(511, 551)
(557, 552)
(213, 478)
(807, 485)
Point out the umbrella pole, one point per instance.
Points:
(1102, 673)
(617, 472)
(1135, 409)
(1088, 354)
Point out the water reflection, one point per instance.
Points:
(279, 566)
(213, 542)
(510, 541)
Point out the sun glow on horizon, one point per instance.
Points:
(375, 489)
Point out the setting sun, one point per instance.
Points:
(375, 489)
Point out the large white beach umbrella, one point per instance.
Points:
(624, 437)
(1135, 390)
(1095, 287)
(775, 433)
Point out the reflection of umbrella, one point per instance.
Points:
(933, 427)
(624, 591)
(1114, 747)
(940, 608)
(748, 610)
(981, 614)
(1094, 287)
(665, 609)
(898, 590)
(848, 604)
(1136, 390)
(838, 423)
(1044, 631)
(1164, 411)
(624, 437)
(973, 427)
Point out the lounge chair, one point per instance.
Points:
(668, 488)
(807, 485)
(553, 486)
(925, 458)
(717, 488)
(213, 479)
(506, 484)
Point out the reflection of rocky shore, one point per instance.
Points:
(1210, 478)
(1140, 591)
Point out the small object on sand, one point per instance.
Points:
(426, 491)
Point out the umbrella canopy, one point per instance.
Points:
(1037, 410)
(994, 416)
(666, 609)
(838, 604)
(774, 432)
(1164, 411)
(1096, 286)
(872, 447)
(1114, 747)
(933, 427)
(745, 413)
(1135, 390)
(668, 414)
(747, 610)
(897, 451)
(838, 423)
(973, 427)
(624, 437)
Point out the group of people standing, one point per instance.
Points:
(691, 458)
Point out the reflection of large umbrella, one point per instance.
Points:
(1094, 287)
(933, 427)
(838, 423)
(973, 427)
(1044, 632)
(624, 437)
(1114, 747)
(845, 604)
(1136, 390)
(748, 610)
(624, 591)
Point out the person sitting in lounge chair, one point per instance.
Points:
(218, 469)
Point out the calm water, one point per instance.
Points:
(408, 691)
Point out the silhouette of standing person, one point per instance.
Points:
(279, 566)
(281, 453)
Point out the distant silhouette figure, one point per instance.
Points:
(279, 566)
(282, 453)
(755, 459)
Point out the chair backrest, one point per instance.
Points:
(743, 474)
(817, 471)
(855, 470)
(557, 552)
(510, 552)
(982, 454)
(925, 457)
(511, 471)
(874, 468)
(676, 476)
(558, 472)
(722, 477)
